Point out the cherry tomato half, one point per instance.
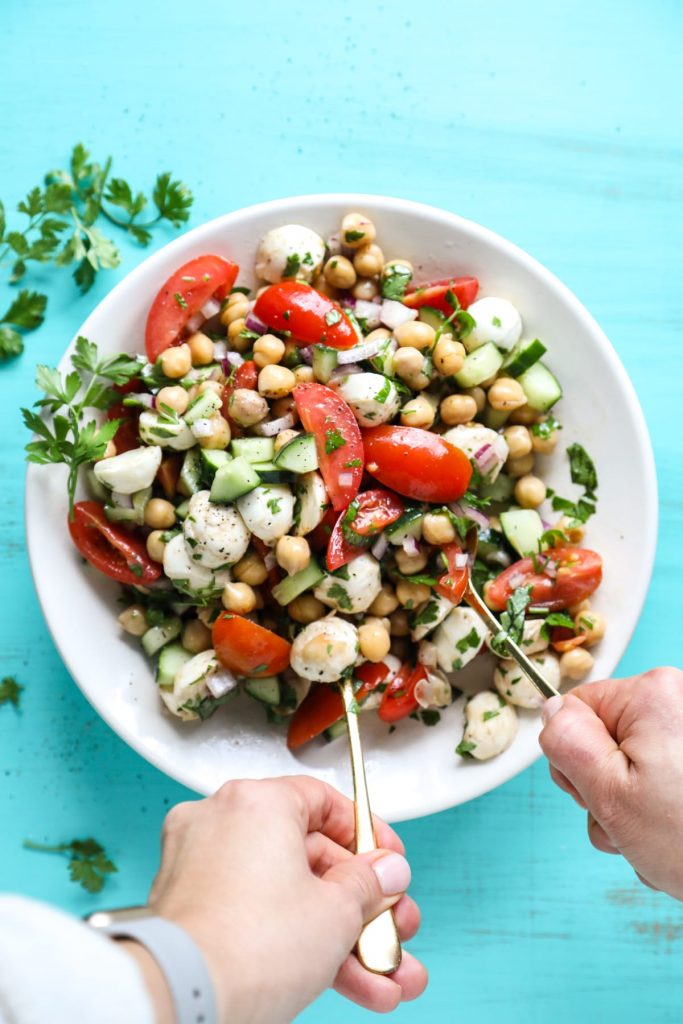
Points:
(398, 700)
(453, 584)
(434, 294)
(310, 317)
(126, 437)
(571, 575)
(118, 554)
(416, 463)
(358, 525)
(338, 440)
(323, 706)
(183, 295)
(248, 649)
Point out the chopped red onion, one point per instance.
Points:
(345, 479)
(232, 359)
(269, 560)
(340, 372)
(369, 312)
(461, 508)
(306, 354)
(349, 302)
(366, 350)
(333, 244)
(486, 459)
(210, 308)
(253, 323)
(269, 428)
(394, 313)
(518, 579)
(379, 548)
(202, 428)
(221, 682)
(195, 322)
(220, 350)
(410, 546)
(121, 500)
(138, 400)
(460, 560)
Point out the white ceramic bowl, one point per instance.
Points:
(413, 771)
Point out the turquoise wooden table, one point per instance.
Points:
(559, 128)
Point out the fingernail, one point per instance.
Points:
(393, 873)
(551, 707)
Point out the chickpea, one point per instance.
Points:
(195, 637)
(133, 620)
(518, 440)
(208, 615)
(365, 289)
(458, 409)
(524, 415)
(239, 598)
(109, 451)
(250, 569)
(379, 334)
(437, 528)
(306, 608)
(415, 334)
(275, 381)
(263, 288)
(448, 355)
(412, 594)
(210, 385)
(321, 284)
(293, 554)
(201, 349)
(409, 564)
(368, 260)
(218, 434)
(283, 407)
(506, 394)
(402, 267)
(485, 594)
(357, 231)
(236, 308)
(530, 491)
(574, 531)
(284, 437)
(176, 361)
(304, 375)
(236, 338)
(247, 407)
(409, 366)
(156, 545)
(268, 350)
(576, 664)
(399, 624)
(579, 608)
(374, 640)
(520, 467)
(418, 412)
(386, 601)
(479, 396)
(339, 272)
(591, 625)
(544, 445)
(159, 514)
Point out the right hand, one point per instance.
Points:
(617, 748)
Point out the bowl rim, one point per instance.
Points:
(394, 204)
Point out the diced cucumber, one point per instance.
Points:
(490, 542)
(495, 418)
(523, 356)
(383, 360)
(500, 490)
(191, 471)
(212, 460)
(541, 387)
(202, 407)
(134, 513)
(407, 525)
(337, 729)
(265, 690)
(234, 479)
(431, 316)
(523, 528)
(97, 489)
(182, 509)
(253, 449)
(298, 455)
(270, 473)
(290, 587)
(479, 365)
(158, 636)
(324, 362)
(197, 374)
(171, 658)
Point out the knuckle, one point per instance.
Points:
(176, 819)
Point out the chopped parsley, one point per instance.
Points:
(430, 716)
(488, 715)
(180, 300)
(333, 440)
(582, 469)
(340, 596)
(308, 259)
(556, 619)
(353, 236)
(546, 427)
(274, 505)
(427, 615)
(352, 463)
(497, 321)
(471, 640)
(384, 391)
(88, 861)
(241, 290)
(395, 283)
(551, 538)
(332, 317)
(512, 621)
(292, 266)
(10, 691)
(464, 748)
(286, 315)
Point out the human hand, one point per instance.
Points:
(617, 747)
(262, 877)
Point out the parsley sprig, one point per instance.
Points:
(67, 438)
(88, 861)
(512, 621)
(25, 313)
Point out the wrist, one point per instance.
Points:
(153, 978)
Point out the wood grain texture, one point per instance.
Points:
(560, 128)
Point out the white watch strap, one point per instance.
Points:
(179, 959)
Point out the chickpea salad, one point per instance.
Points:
(284, 481)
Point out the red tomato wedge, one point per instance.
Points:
(310, 317)
(571, 575)
(434, 294)
(183, 295)
(126, 437)
(338, 440)
(118, 554)
(248, 649)
(244, 376)
(324, 705)
(564, 639)
(454, 583)
(366, 516)
(416, 463)
(398, 700)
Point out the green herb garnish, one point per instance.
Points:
(333, 440)
(88, 862)
(10, 691)
(512, 621)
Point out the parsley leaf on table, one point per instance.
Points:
(25, 313)
(10, 691)
(88, 861)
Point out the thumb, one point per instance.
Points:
(577, 743)
(370, 882)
